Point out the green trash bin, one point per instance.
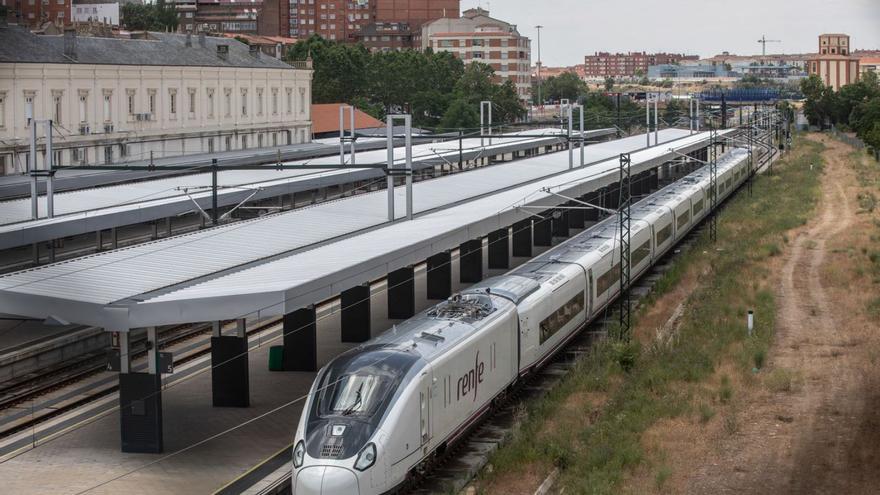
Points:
(276, 358)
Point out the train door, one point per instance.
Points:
(425, 408)
(590, 292)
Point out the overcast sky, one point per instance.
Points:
(574, 28)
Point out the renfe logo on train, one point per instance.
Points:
(471, 380)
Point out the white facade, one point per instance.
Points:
(107, 13)
(113, 113)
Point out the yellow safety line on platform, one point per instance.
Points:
(251, 470)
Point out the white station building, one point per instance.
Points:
(113, 100)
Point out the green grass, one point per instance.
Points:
(646, 385)
(662, 476)
(781, 380)
(706, 413)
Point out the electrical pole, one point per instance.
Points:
(540, 96)
(618, 114)
(214, 216)
(624, 224)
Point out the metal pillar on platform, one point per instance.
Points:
(401, 293)
(230, 382)
(522, 238)
(355, 314)
(470, 261)
(543, 231)
(140, 400)
(301, 340)
(499, 249)
(560, 223)
(439, 275)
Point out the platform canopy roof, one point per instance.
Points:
(98, 208)
(275, 264)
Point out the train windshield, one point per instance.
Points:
(356, 395)
(353, 392)
(359, 384)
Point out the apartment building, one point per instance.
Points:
(477, 37)
(385, 36)
(114, 100)
(604, 64)
(33, 13)
(343, 20)
(834, 63)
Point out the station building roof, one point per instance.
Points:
(19, 45)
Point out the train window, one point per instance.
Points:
(698, 206)
(640, 253)
(684, 218)
(607, 279)
(663, 235)
(562, 316)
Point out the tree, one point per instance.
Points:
(674, 109)
(813, 89)
(609, 83)
(423, 84)
(460, 114)
(150, 17)
(865, 117)
(340, 70)
(872, 138)
(566, 85)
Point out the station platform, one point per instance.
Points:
(80, 455)
(17, 332)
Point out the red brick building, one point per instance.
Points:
(36, 12)
(604, 64)
(341, 20)
(416, 12)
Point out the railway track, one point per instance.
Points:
(86, 371)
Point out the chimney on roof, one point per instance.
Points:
(70, 42)
(202, 42)
(189, 39)
(223, 51)
(254, 51)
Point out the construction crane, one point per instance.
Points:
(763, 41)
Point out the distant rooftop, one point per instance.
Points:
(18, 45)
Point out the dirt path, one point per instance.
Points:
(824, 435)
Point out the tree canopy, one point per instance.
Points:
(856, 106)
(564, 86)
(434, 87)
(157, 16)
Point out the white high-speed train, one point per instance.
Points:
(377, 412)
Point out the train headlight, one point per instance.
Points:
(299, 453)
(366, 458)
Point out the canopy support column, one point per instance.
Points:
(140, 400)
(230, 384)
(355, 314)
(301, 340)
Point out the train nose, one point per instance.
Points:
(326, 480)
